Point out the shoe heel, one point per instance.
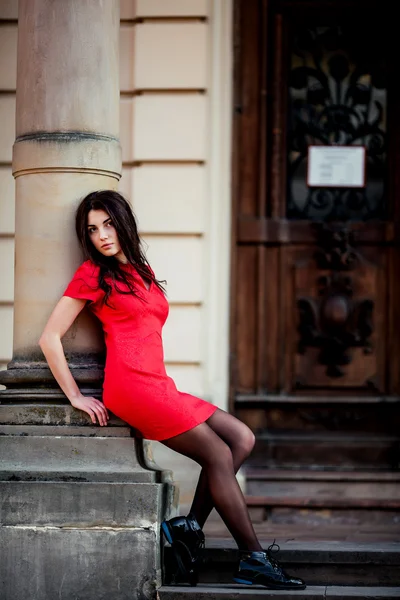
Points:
(166, 532)
(245, 581)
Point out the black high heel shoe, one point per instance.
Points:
(187, 541)
(261, 568)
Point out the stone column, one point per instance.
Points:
(81, 505)
(67, 127)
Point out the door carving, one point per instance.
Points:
(336, 322)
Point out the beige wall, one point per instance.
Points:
(175, 139)
(8, 57)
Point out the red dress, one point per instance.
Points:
(136, 386)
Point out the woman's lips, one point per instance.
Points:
(107, 246)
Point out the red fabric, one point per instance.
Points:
(136, 386)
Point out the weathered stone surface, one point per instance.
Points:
(76, 504)
(65, 430)
(35, 413)
(80, 513)
(236, 592)
(68, 455)
(78, 564)
(214, 592)
(374, 593)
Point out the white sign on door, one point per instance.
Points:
(336, 166)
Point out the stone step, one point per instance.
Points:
(318, 563)
(217, 592)
(336, 496)
(285, 487)
(260, 474)
(308, 449)
(68, 455)
(289, 496)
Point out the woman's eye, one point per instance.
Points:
(91, 230)
(109, 224)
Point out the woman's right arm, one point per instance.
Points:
(58, 324)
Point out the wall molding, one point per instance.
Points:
(216, 346)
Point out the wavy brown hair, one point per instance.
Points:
(123, 219)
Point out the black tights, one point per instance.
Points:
(220, 446)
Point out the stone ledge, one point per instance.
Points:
(65, 430)
(68, 453)
(60, 413)
(80, 504)
(92, 474)
(214, 592)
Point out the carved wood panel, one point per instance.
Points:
(336, 321)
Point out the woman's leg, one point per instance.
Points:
(240, 440)
(204, 446)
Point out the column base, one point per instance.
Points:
(34, 381)
(81, 506)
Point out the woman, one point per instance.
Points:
(119, 286)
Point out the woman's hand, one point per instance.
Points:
(94, 408)
(60, 321)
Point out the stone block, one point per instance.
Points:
(81, 504)
(7, 200)
(171, 55)
(169, 127)
(7, 270)
(87, 458)
(48, 563)
(6, 328)
(179, 191)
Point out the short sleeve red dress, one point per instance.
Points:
(136, 386)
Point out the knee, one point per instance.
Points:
(246, 441)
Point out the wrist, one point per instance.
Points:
(74, 396)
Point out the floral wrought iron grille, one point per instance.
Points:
(337, 96)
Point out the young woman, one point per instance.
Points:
(120, 288)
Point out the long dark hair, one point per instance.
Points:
(123, 219)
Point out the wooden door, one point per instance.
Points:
(315, 329)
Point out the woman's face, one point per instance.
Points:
(103, 235)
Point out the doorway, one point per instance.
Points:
(315, 323)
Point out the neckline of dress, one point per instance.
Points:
(128, 265)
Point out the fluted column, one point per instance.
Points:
(67, 128)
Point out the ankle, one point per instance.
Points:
(192, 517)
(251, 549)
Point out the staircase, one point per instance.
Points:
(223, 592)
(331, 569)
(338, 530)
(326, 497)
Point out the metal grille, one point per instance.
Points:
(337, 96)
